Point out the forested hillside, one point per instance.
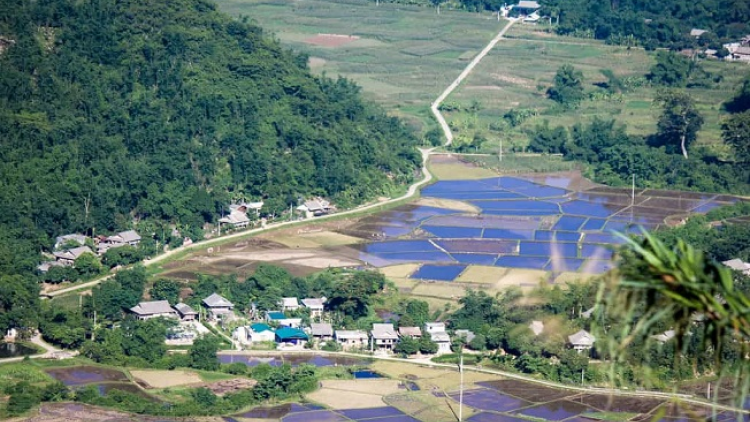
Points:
(115, 111)
(653, 23)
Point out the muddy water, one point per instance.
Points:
(13, 350)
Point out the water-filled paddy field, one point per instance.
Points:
(535, 222)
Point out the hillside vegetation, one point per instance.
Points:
(114, 111)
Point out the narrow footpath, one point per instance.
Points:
(435, 107)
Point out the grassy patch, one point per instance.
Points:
(610, 416)
(405, 57)
(460, 171)
(514, 164)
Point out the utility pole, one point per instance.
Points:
(461, 386)
(632, 194)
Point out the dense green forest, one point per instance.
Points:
(648, 23)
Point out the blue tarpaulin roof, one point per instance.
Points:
(286, 334)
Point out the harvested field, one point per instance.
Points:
(445, 290)
(331, 40)
(425, 406)
(427, 378)
(369, 386)
(165, 379)
(521, 278)
(448, 204)
(324, 262)
(459, 171)
(69, 412)
(526, 391)
(406, 285)
(402, 270)
(335, 399)
(483, 275)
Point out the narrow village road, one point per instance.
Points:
(435, 107)
(412, 191)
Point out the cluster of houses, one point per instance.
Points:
(68, 256)
(238, 213)
(738, 51)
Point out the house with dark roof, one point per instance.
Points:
(582, 340)
(290, 335)
(321, 331)
(153, 309)
(218, 307)
(185, 312)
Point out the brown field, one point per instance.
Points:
(166, 379)
(69, 412)
(443, 290)
(428, 378)
(518, 277)
(425, 406)
(448, 204)
(331, 40)
(404, 284)
(353, 394)
(482, 274)
(399, 271)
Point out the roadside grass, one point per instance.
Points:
(405, 57)
(518, 71)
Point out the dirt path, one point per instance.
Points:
(412, 191)
(435, 107)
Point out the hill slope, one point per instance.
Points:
(120, 110)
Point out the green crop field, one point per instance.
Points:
(519, 69)
(405, 55)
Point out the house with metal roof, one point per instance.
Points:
(288, 304)
(254, 333)
(61, 241)
(413, 332)
(321, 331)
(582, 340)
(68, 257)
(126, 238)
(290, 335)
(153, 309)
(315, 306)
(218, 307)
(438, 334)
(465, 335)
(185, 312)
(384, 337)
(281, 319)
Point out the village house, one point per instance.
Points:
(281, 319)
(69, 256)
(236, 219)
(413, 332)
(126, 238)
(581, 341)
(321, 331)
(315, 207)
(384, 337)
(465, 336)
(185, 312)
(695, 32)
(68, 239)
(289, 335)
(351, 339)
(288, 304)
(315, 306)
(738, 265)
(664, 337)
(153, 309)
(218, 307)
(45, 266)
(254, 333)
(438, 334)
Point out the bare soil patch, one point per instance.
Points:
(523, 278)
(166, 379)
(336, 399)
(448, 204)
(324, 262)
(223, 387)
(315, 62)
(69, 412)
(372, 386)
(331, 40)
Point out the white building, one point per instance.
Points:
(351, 339)
(384, 337)
(582, 340)
(438, 334)
(315, 305)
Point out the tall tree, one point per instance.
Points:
(736, 132)
(568, 87)
(679, 122)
